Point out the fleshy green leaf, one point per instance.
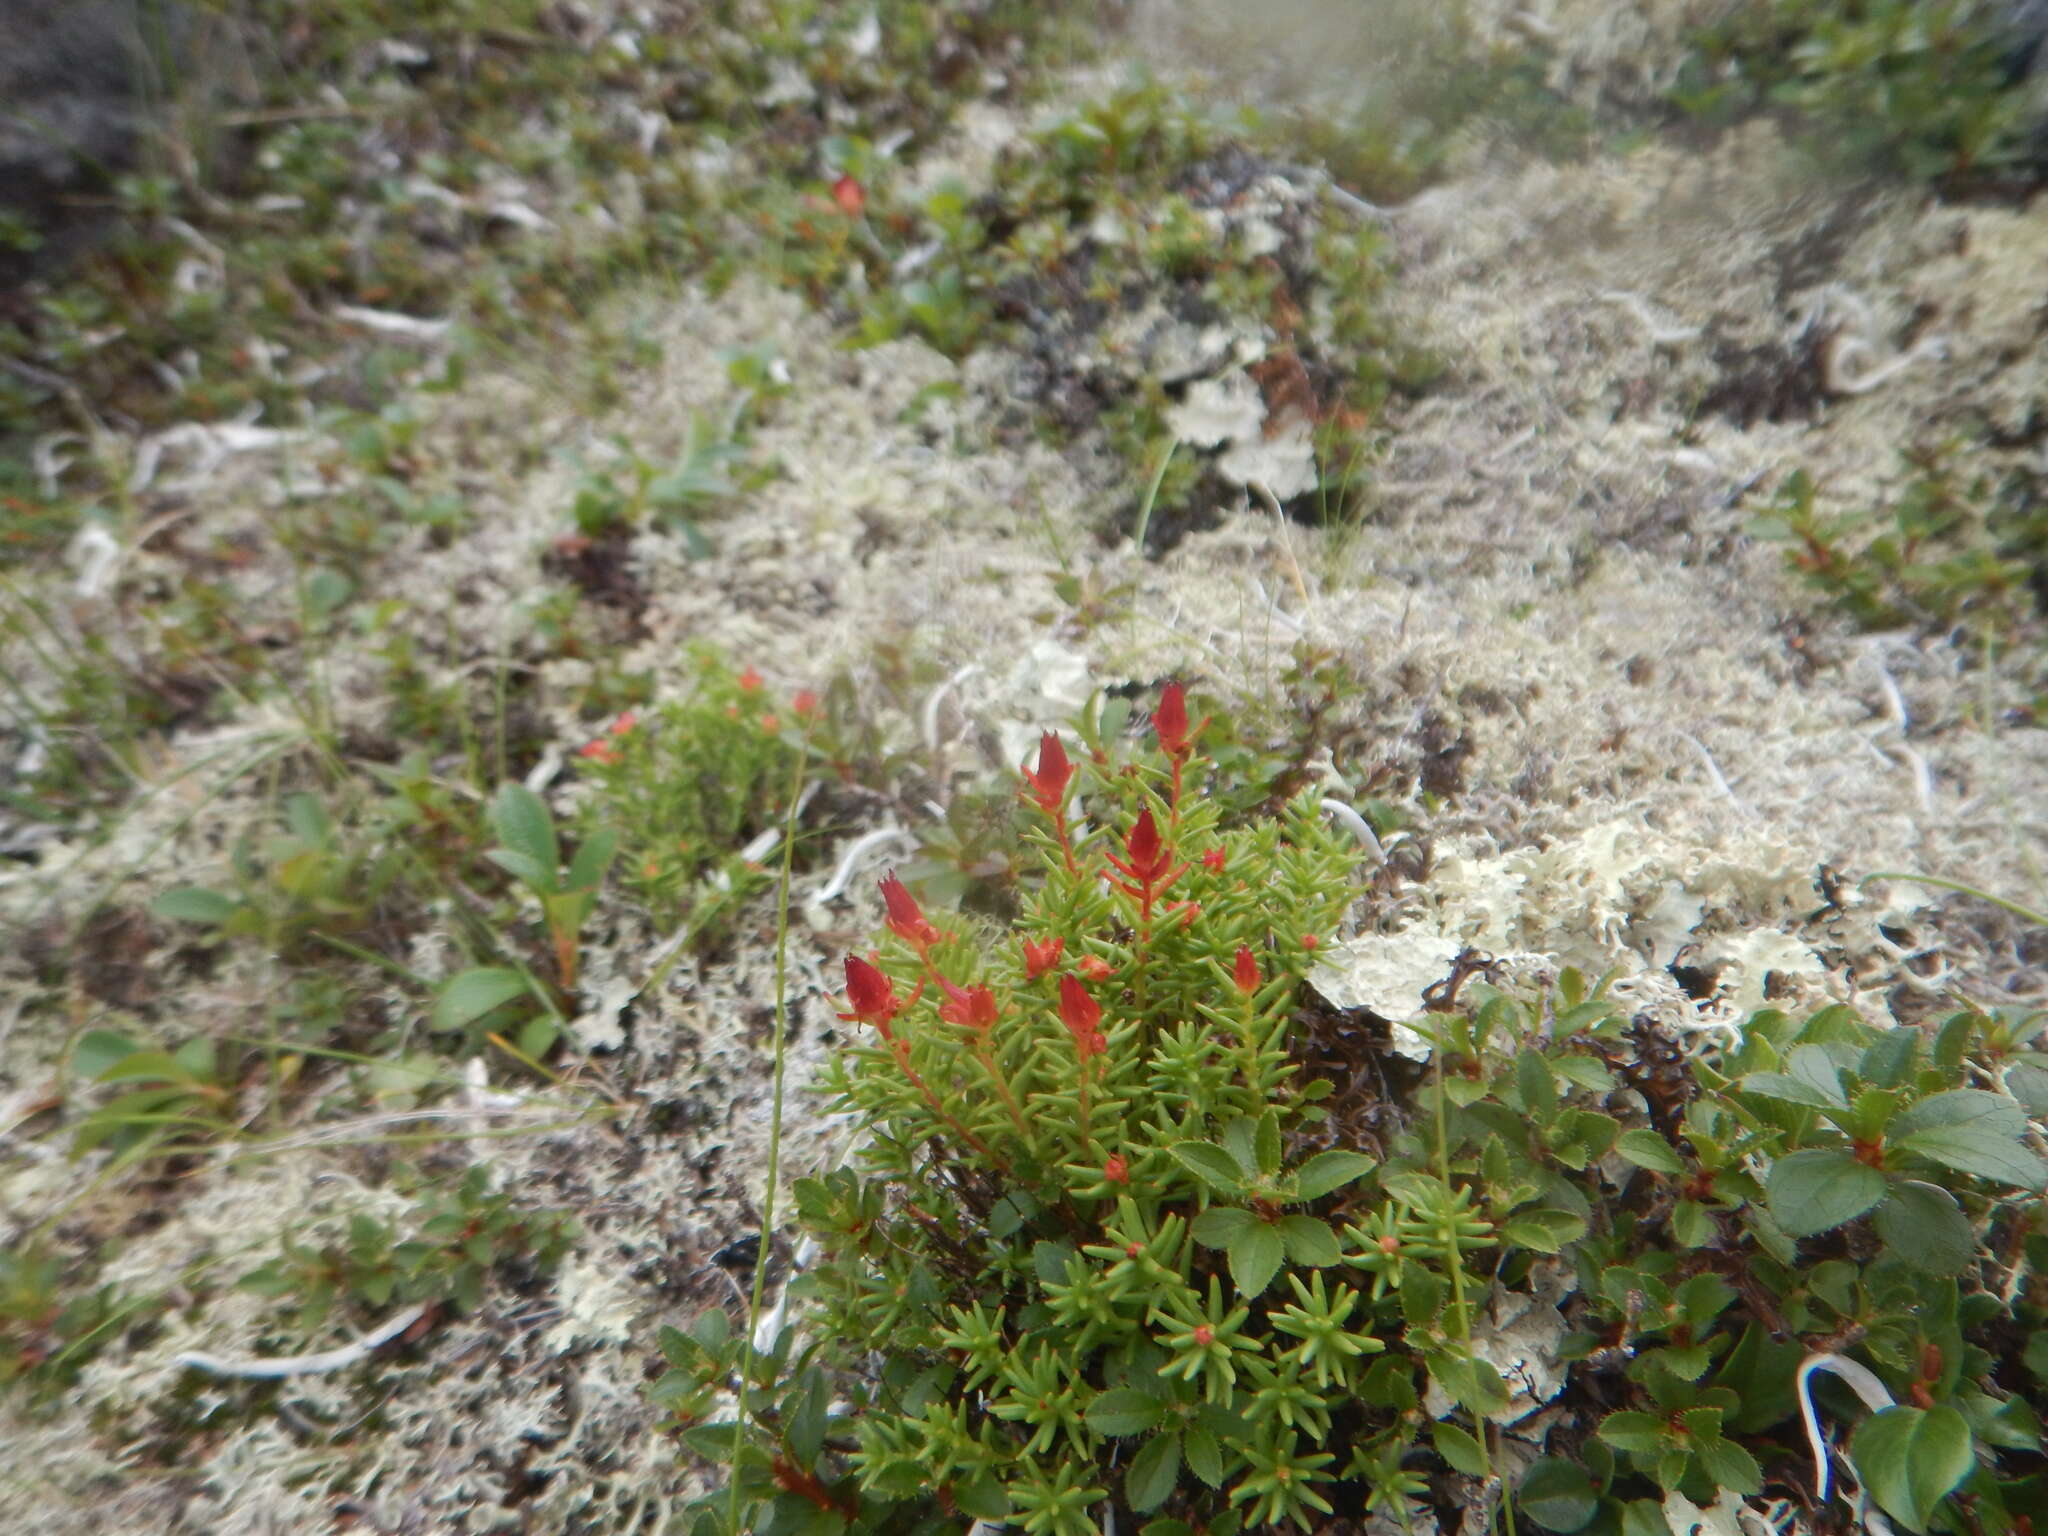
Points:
(1820, 1188)
(1912, 1458)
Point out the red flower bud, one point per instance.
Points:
(1204, 1335)
(625, 723)
(1041, 957)
(870, 995)
(972, 1007)
(750, 681)
(1081, 1014)
(850, 196)
(1095, 968)
(1145, 851)
(906, 921)
(1049, 780)
(1246, 974)
(1310, 941)
(803, 704)
(1116, 1170)
(1213, 861)
(1132, 1250)
(1170, 720)
(770, 723)
(599, 751)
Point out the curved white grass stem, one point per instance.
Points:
(274, 1367)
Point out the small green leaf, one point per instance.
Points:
(1961, 1106)
(191, 904)
(1641, 1434)
(1212, 1165)
(471, 994)
(587, 870)
(1536, 1087)
(2028, 1081)
(1558, 1496)
(1692, 1224)
(523, 824)
(1266, 1143)
(1543, 1230)
(1204, 1455)
(1124, 1411)
(1217, 1226)
(1459, 1448)
(983, 1498)
(1923, 1225)
(1912, 1458)
(1730, 1466)
(1309, 1241)
(1328, 1171)
(1982, 1147)
(1153, 1472)
(536, 876)
(1821, 1188)
(99, 1049)
(1646, 1149)
(1255, 1256)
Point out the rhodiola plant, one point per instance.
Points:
(1109, 1255)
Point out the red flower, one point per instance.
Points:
(770, 724)
(850, 196)
(1170, 720)
(625, 723)
(750, 681)
(1246, 973)
(1095, 968)
(1081, 1014)
(1213, 861)
(1147, 859)
(803, 704)
(1041, 957)
(871, 996)
(1049, 781)
(1116, 1170)
(972, 1007)
(599, 751)
(906, 920)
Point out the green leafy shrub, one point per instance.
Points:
(48, 1332)
(1956, 550)
(1112, 1249)
(687, 785)
(1931, 86)
(459, 1237)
